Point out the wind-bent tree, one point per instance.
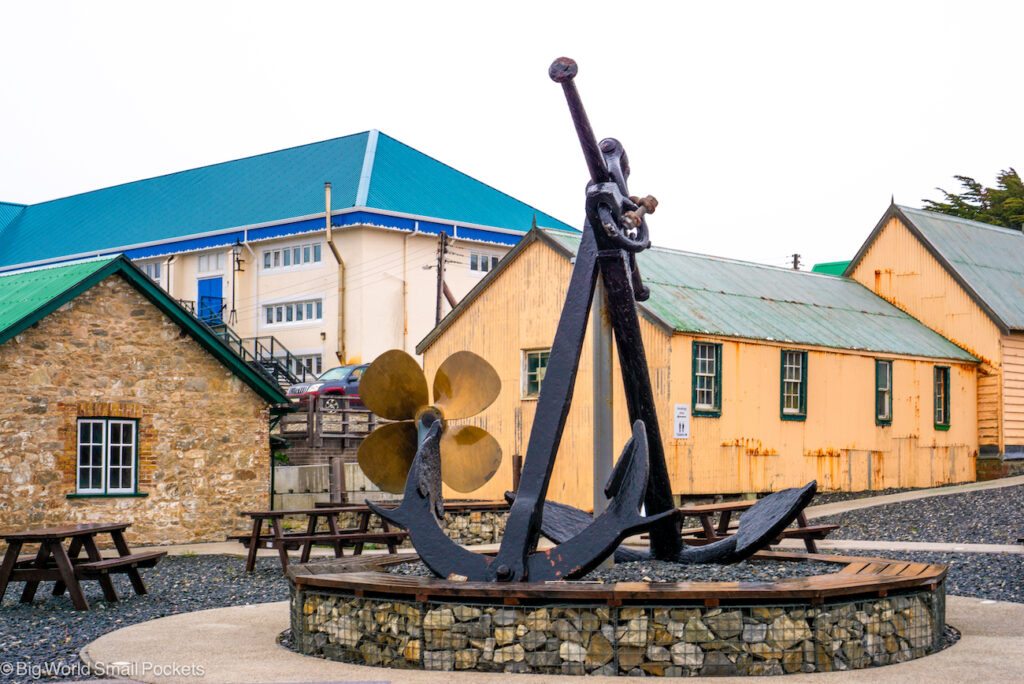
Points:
(1002, 205)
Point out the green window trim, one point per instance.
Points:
(136, 495)
(716, 406)
(801, 412)
(940, 384)
(883, 392)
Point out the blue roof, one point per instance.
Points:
(266, 188)
(8, 212)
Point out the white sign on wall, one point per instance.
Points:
(681, 421)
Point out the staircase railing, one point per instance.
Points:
(265, 354)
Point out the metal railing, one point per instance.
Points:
(265, 354)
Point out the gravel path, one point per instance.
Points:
(996, 576)
(989, 516)
(48, 631)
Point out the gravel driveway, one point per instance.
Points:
(989, 516)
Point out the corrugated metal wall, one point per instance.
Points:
(899, 268)
(749, 448)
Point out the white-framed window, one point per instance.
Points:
(155, 270)
(313, 363)
(283, 313)
(481, 262)
(106, 456)
(883, 392)
(291, 256)
(213, 262)
(535, 366)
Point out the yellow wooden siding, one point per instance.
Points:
(989, 403)
(1013, 389)
(749, 448)
(900, 269)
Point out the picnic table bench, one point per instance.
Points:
(709, 531)
(65, 568)
(333, 536)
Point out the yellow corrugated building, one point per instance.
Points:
(964, 279)
(789, 376)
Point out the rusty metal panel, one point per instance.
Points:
(990, 259)
(695, 293)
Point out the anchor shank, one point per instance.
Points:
(666, 542)
(523, 528)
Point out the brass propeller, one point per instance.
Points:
(394, 387)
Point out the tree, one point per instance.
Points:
(1002, 205)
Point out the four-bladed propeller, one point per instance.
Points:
(394, 387)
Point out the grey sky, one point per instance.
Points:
(763, 128)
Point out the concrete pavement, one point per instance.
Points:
(240, 645)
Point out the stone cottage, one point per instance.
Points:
(119, 405)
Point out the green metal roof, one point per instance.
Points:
(987, 260)
(705, 295)
(830, 267)
(28, 296)
(367, 169)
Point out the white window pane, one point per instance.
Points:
(319, 310)
(305, 254)
(287, 257)
(474, 262)
(266, 260)
(316, 253)
(270, 315)
(277, 257)
(494, 262)
(309, 309)
(297, 255)
(288, 311)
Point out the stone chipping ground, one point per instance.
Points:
(989, 516)
(48, 631)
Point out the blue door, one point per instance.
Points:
(211, 300)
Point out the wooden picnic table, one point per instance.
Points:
(63, 566)
(709, 531)
(334, 536)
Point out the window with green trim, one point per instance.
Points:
(707, 379)
(535, 366)
(942, 397)
(107, 456)
(883, 392)
(793, 390)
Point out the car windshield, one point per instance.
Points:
(338, 373)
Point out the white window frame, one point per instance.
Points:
(476, 258)
(158, 266)
(105, 445)
(272, 259)
(285, 313)
(202, 262)
(525, 374)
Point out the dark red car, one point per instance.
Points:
(341, 381)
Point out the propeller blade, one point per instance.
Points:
(469, 457)
(465, 385)
(394, 386)
(386, 455)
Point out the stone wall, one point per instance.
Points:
(625, 640)
(462, 527)
(203, 434)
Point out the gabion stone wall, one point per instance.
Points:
(462, 527)
(625, 640)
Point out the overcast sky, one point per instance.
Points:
(763, 128)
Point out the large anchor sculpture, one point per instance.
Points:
(614, 233)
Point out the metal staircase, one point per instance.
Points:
(264, 354)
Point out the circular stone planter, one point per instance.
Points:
(871, 612)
